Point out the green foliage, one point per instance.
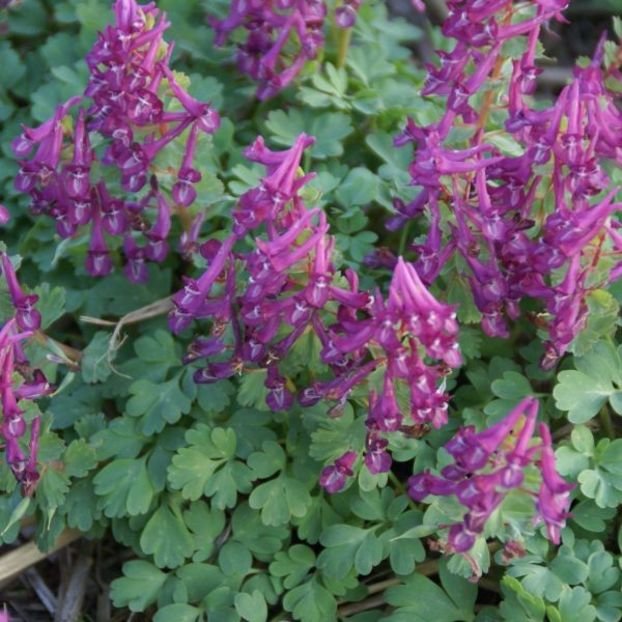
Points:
(596, 381)
(216, 496)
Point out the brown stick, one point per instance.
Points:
(369, 603)
(16, 561)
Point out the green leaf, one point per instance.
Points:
(51, 490)
(19, 511)
(124, 487)
(420, 600)
(267, 462)
(139, 586)
(293, 565)
(329, 130)
(12, 68)
(311, 602)
(251, 607)
(206, 525)
(178, 612)
(157, 403)
(519, 604)
(80, 505)
(79, 458)
(167, 538)
(158, 351)
(261, 539)
(333, 437)
(94, 363)
(510, 388)
(537, 578)
(51, 303)
(603, 482)
(207, 467)
(234, 558)
(574, 605)
(121, 438)
(568, 567)
(252, 390)
(280, 499)
(347, 547)
(590, 517)
(200, 580)
(214, 398)
(598, 378)
(360, 187)
(602, 321)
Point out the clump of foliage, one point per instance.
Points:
(295, 367)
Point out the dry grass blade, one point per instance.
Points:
(27, 555)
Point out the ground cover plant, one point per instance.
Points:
(304, 328)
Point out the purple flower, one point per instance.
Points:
(377, 459)
(33, 385)
(490, 463)
(128, 67)
(487, 206)
(554, 495)
(345, 15)
(26, 316)
(334, 477)
(271, 26)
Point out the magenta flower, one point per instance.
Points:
(490, 463)
(33, 385)
(128, 67)
(492, 200)
(26, 316)
(271, 27)
(554, 496)
(334, 477)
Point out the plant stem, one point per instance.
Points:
(343, 42)
(404, 238)
(607, 423)
(353, 608)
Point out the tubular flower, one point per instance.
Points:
(19, 382)
(123, 103)
(496, 202)
(490, 463)
(271, 26)
(261, 301)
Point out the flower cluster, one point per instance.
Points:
(399, 338)
(515, 242)
(124, 104)
(274, 27)
(282, 36)
(489, 464)
(13, 362)
(290, 288)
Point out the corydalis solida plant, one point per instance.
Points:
(18, 381)
(491, 463)
(124, 103)
(290, 288)
(274, 28)
(516, 242)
